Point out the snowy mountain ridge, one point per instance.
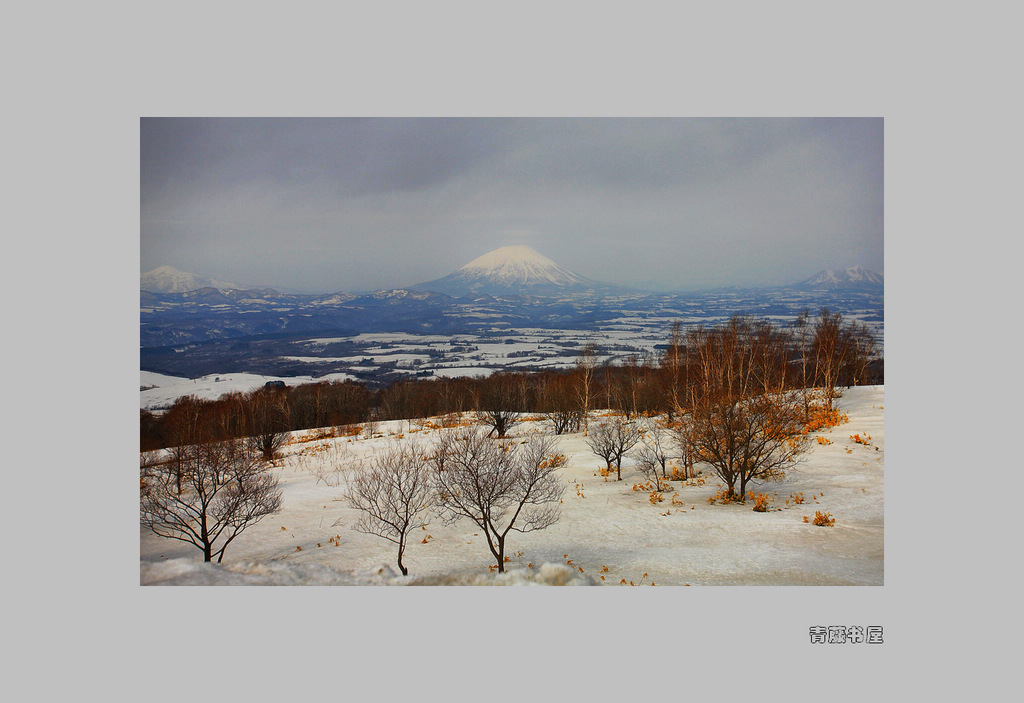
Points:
(852, 276)
(167, 279)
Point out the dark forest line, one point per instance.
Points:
(743, 357)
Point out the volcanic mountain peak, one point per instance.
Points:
(519, 265)
(512, 270)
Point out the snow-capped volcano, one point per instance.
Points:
(168, 279)
(854, 276)
(517, 270)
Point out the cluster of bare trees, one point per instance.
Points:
(268, 413)
(653, 443)
(214, 481)
(501, 485)
(736, 396)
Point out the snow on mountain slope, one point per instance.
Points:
(852, 276)
(510, 270)
(519, 265)
(167, 279)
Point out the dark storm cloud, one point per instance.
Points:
(358, 203)
(356, 155)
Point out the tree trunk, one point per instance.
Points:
(401, 566)
(204, 535)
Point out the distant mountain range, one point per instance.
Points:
(508, 271)
(218, 327)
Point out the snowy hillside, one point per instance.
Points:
(158, 391)
(608, 532)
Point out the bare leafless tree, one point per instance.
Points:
(742, 440)
(558, 404)
(830, 348)
(801, 334)
(654, 450)
(502, 401)
(862, 343)
(585, 367)
(611, 438)
(225, 488)
(673, 363)
(394, 495)
(267, 419)
(682, 433)
(502, 486)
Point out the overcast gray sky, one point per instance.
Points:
(353, 204)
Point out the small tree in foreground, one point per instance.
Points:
(653, 452)
(501, 485)
(611, 439)
(394, 495)
(224, 488)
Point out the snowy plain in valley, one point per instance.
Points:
(159, 391)
(606, 528)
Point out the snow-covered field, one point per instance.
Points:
(606, 529)
(159, 391)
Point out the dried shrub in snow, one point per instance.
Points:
(821, 519)
(762, 502)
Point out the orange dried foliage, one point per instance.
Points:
(677, 475)
(554, 460)
(820, 417)
(761, 502)
(723, 496)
